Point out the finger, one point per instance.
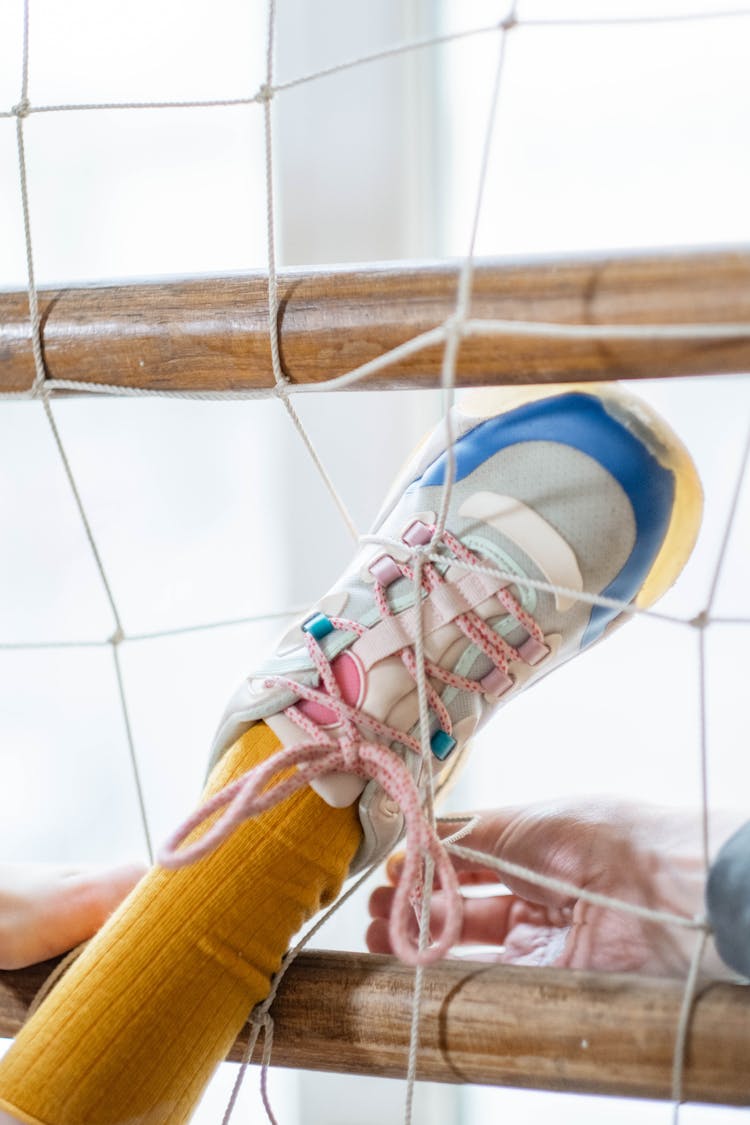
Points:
(381, 901)
(493, 920)
(493, 831)
(565, 841)
(378, 938)
(469, 874)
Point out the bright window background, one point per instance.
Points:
(606, 137)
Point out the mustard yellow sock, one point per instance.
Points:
(136, 1027)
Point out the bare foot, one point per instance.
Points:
(46, 909)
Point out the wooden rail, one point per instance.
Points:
(543, 1028)
(212, 334)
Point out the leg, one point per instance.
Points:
(138, 1025)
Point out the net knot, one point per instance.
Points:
(117, 637)
(454, 324)
(21, 109)
(260, 1017)
(507, 23)
(265, 93)
(701, 620)
(38, 389)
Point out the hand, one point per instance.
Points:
(642, 854)
(47, 909)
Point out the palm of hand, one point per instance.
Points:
(641, 855)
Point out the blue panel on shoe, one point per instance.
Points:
(581, 421)
(441, 744)
(318, 625)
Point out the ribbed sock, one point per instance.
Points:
(136, 1027)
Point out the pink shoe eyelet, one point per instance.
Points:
(417, 534)
(533, 651)
(385, 571)
(496, 683)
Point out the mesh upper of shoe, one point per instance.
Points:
(559, 492)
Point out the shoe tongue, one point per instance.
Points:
(348, 675)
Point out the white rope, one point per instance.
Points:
(273, 300)
(262, 1012)
(21, 111)
(221, 623)
(683, 1024)
(730, 521)
(38, 390)
(418, 44)
(447, 382)
(463, 296)
(22, 646)
(703, 620)
(448, 379)
(268, 89)
(417, 994)
(426, 787)
(121, 390)
(452, 326)
(525, 582)
(648, 333)
(703, 750)
(572, 890)
(280, 378)
(116, 641)
(156, 634)
(450, 333)
(88, 530)
(88, 107)
(637, 20)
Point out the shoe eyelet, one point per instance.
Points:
(385, 570)
(441, 744)
(496, 683)
(533, 651)
(417, 534)
(318, 625)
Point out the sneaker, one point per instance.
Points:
(558, 492)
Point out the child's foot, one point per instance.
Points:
(46, 909)
(583, 489)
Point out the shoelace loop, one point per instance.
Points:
(355, 751)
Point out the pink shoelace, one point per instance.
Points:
(361, 748)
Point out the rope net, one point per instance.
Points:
(511, 22)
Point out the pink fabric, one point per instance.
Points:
(349, 677)
(362, 746)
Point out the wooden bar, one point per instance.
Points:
(212, 334)
(542, 1028)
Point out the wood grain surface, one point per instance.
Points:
(543, 1028)
(212, 333)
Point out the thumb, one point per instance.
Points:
(551, 840)
(484, 834)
